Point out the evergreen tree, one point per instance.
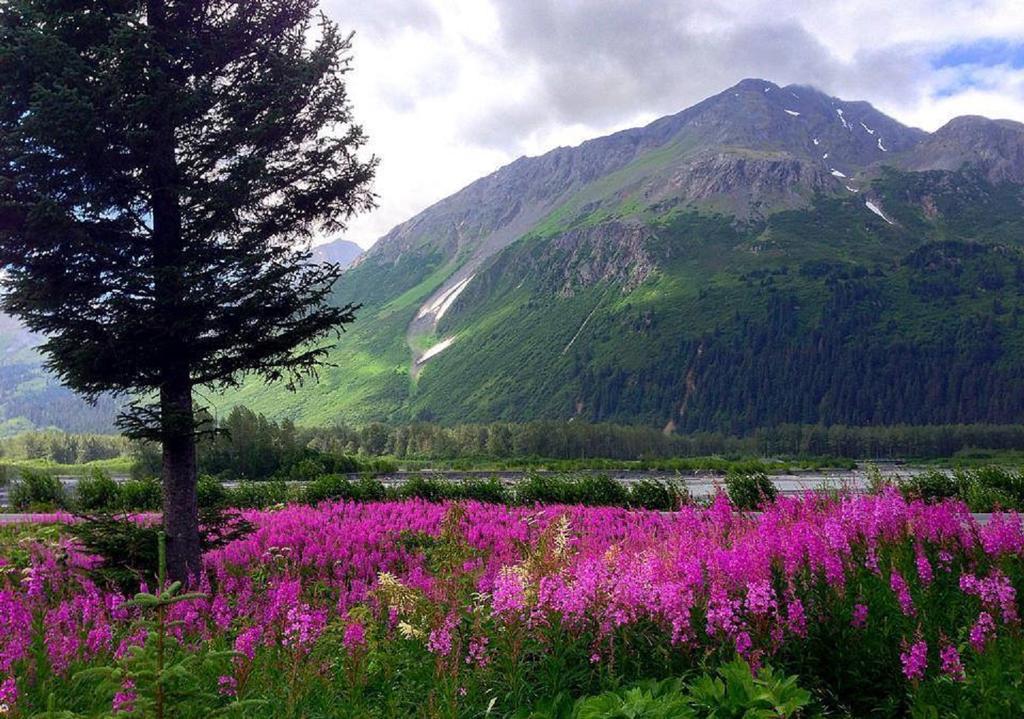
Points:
(163, 166)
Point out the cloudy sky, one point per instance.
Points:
(449, 90)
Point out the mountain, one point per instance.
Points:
(769, 255)
(30, 397)
(337, 252)
(995, 147)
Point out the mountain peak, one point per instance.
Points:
(753, 84)
(995, 147)
(963, 122)
(339, 252)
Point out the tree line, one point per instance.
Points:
(246, 445)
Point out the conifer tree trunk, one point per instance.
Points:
(179, 477)
(181, 523)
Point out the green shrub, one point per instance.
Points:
(737, 693)
(211, 492)
(733, 692)
(749, 490)
(983, 489)
(367, 489)
(141, 495)
(128, 548)
(600, 491)
(333, 486)
(1006, 487)
(490, 490)
(257, 495)
(666, 699)
(307, 470)
(430, 489)
(655, 494)
(544, 489)
(37, 490)
(934, 485)
(326, 487)
(97, 491)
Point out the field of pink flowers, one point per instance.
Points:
(882, 607)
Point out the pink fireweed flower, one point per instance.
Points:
(9, 692)
(62, 636)
(508, 595)
(477, 653)
(136, 639)
(951, 664)
(915, 660)
(124, 700)
(619, 568)
(743, 643)
(983, 630)
(354, 637)
(860, 616)
(304, 625)
(760, 598)
(796, 619)
(227, 686)
(996, 593)
(924, 568)
(16, 630)
(871, 560)
(902, 591)
(721, 612)
(221, 611)
(247, 641)
(440, 639)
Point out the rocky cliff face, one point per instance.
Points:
(994, 147)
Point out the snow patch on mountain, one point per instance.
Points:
(839, 111)
(435, 350)
(836, 173)
(870, 131)
(878, 211)
(794, 113)
(881, 146)
(439, 306)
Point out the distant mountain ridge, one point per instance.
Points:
(337, 252)
(771, 254)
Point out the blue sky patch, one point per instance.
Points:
(984, 53)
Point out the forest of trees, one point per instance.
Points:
(888, 347)
(249, 445)
(63, 447)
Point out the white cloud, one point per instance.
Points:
(449, 90)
